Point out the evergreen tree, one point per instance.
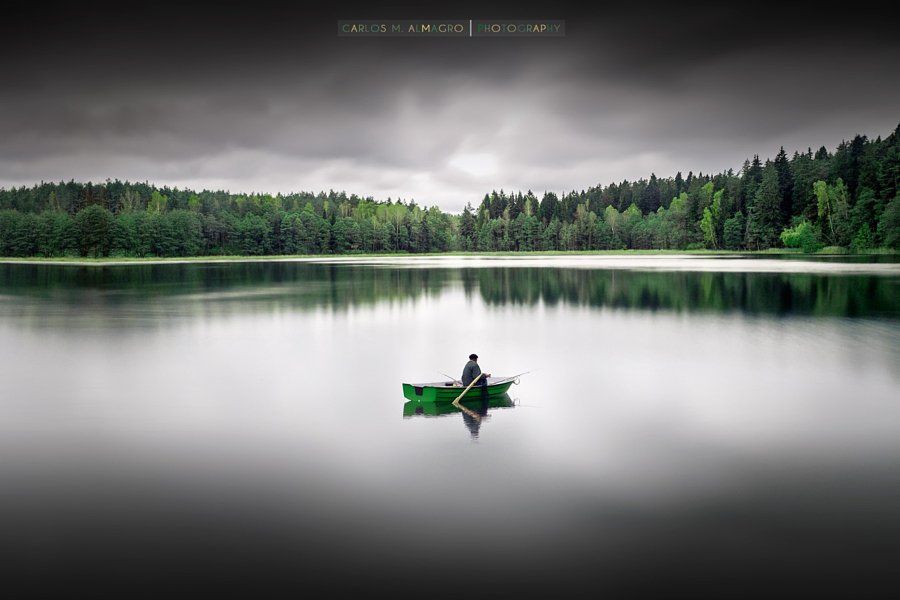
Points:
(733, 232)
(785, 186)
(92, 225)
(764, 224)
(467, 228)
(751, 177)
(649, 197)
(549, 207)
(889, 224)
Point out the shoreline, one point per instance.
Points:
(121, 261)
(659, 261)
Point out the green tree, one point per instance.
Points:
(605, 238)
(550, 239)
(630, 220)
(253, 235)
(764, 223)
(585, 227)
(55, 233)
(863, 240)
(92, 225)
(649, 198)
(549, 207)
(157, 203)
(613, 218)
(801, 236)
(17, 233)
(568, 237)
(833, 212)
(865, 209)
(397, 214)
(733, 232)
(440, 226)
(186, 233)
(133, 234)
(785, 185)
(674, 226)
(751, 178)
(709, 224)
(644, 233)
(467, 228)
(889, 224)
(345, 235)
(130, 200)
(806, 171)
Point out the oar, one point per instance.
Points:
(456, 402)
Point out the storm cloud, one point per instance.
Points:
(262, 97)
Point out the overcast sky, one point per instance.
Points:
(266, 98)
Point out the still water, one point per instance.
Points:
(701, 427)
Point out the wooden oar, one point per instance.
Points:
(456, 402)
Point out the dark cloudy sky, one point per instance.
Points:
(262, 96)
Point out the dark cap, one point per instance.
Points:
(473, 357)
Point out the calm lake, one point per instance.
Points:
(684, 427)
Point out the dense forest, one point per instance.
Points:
(848, 198)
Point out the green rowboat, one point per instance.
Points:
(447, 391)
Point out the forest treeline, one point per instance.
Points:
(847, 198)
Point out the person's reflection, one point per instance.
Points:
(473, 418)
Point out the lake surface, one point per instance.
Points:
(684, 427)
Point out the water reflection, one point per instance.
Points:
(756, 293)
(474, 411)
(263, 287)
(339, 285)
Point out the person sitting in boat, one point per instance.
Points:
(471, 371)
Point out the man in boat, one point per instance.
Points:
(471, 371)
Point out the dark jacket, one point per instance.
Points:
(470, 372)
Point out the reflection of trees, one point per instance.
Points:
(339, 286)
(768, 293)
(297, 284)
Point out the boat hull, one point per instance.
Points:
(448, 392)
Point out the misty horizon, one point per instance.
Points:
(474, 202)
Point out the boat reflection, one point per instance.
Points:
(474, 411)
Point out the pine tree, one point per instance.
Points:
(765, 213)
(649, 198)
(733, 232)
(785, 186)
(467, 228)
(751, 174)
(679, 183)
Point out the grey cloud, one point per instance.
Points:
(627, 93)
